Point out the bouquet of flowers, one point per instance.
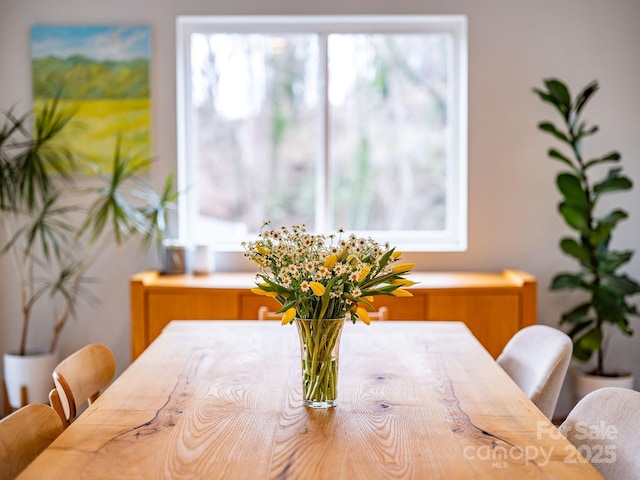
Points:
(319, 277)
(318, 280)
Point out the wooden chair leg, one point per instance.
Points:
(24, 398)
(6, 410)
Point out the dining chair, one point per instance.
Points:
(381, 314)
(265, 314)
(604, 426)
(537, 358)
(24, 434)
(79, 379)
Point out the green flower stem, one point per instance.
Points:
(319, 344)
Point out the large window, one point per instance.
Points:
(335, 122)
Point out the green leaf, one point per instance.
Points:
(39, 156)
(586, 345)
(584, 95)
(385, 259)
(564, 281)
(571, 187)
(544, 96)
(326, 296)
(611, 261)
(276, 287)
(605, 225)
(623, 325)
(553, 153)
(547, 97)
(293, 303)
(550, 128)
(613, 182)
(584, 132)
(576, 217)
(559, 92)
(606, 302)
(610, 157)
(46, 229)
(620, 285)
(156, 211)
(614, 217)
(574, 249)
(579, 327)
(578, 315)
(111, 205)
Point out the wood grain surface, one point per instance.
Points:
(417, 400)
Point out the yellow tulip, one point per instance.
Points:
(403, 267)
(262, 250)
(369, 299)
(288, 315)
(396, 254)
(363, 315)
(401, 292)
(403, 281)
(330, 261)
(364, 272)
(259, 291)
(317, 287)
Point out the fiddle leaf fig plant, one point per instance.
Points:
(582, 185)
(55, 231)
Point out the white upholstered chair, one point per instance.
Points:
(537, 358)
(605, 427)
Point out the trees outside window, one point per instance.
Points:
(332, 122)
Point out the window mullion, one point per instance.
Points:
(322, 183)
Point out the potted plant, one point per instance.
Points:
(607, 305)
(50, 235)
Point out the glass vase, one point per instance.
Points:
(319, 349)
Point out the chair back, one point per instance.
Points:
(537, 358)
(604, 426)
(24, 434)
(265, 314)
(381, 314)
(79, 378)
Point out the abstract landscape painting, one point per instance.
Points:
(102, 73)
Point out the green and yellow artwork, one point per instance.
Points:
(101, 72)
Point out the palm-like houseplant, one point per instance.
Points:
(52, 237)
(608, 290)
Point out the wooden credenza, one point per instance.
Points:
(493, 305)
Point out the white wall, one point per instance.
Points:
(512, 198)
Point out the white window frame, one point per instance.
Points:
(454, 237)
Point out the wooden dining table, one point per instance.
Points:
(223, 400)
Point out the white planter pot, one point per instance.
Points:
(584, 383)
(31, 371)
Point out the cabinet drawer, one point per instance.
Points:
(493, 319)
(162, 308)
